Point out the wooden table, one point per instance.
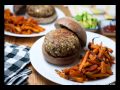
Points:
(35, 78)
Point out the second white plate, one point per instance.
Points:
(47, 70)
(48, 27)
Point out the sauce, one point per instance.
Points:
(109, 28)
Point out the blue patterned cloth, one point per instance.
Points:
(16, 58)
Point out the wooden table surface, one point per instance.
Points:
(35, 78)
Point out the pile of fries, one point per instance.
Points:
(19, 24)
(95, 64)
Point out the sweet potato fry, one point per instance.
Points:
(73, 73)
(110, 50)
(92, 57)
(103, 67)
(84, 60)
(100, 75)
(19, 24)
(18, 29)
(95, 64)
(31, 20)
(29, 31)
(101, 52)
(78, 79)
(30, 28)
(94, 46)
(94, 61)
(87, 64)
(17, 20)
(92, 68)
(74, 68)
(66, 71)
(96, 50)
(61, 74)
(24, 32)
(107, 55)
(108, 69)
(7, 13)
(107, 60)
(10, 27)
(89, 74)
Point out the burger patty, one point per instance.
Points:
(61, 43)
(40, 10)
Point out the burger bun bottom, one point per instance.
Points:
(59, 60)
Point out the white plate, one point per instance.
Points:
(48, 27)
(47, 70)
